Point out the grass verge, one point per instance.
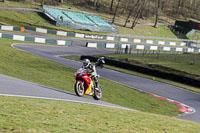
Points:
(33, 68)
(181, 62)
(38, 115)
(160, 31)
(19, 4)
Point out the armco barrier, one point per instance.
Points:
(35, 39)
(157, 73)
(144, 47)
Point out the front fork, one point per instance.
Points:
(96, 83)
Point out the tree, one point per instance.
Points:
(163, 2)
(61, 1)
(111, 5)
(42, 2)
(113, 20)
(157, 13)
(138, 14)
(131, 11)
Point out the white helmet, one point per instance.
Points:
(86, 63)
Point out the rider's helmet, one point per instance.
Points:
(86, 63)
(100, 62)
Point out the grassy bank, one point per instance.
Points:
(42, 71)
(15, 4)
(160, 31)
(30, 18)
(37, 115)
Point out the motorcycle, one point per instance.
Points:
(88, 85)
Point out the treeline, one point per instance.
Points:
(133, 10)
(136, 9)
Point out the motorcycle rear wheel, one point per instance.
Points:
(79, 90)
(97, 93)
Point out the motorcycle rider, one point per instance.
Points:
(90, 69)
(100, 62)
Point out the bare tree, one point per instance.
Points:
(178, 6)
(157, 13)
(111, 5)
(95, 3)
(113, 20)
(131, 11)
(138, 14)
(42, 2)
(163, 2)
(61, 1)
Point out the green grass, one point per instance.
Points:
(34, 19)
(160, 31)
(36, 115)
(8, 3)
(176, 61)
(21, 19)
(194, 89)
(42, 71)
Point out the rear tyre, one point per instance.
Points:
(97, 93)
(79, 90)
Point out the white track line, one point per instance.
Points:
(67, 100)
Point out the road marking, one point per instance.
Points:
(68, 100)
(182, 107)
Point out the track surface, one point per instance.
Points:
(53, 53)
(15, 87)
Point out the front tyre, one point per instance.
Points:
(79, 90)
(97, 93)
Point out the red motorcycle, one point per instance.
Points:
(89, 85)
(86, 85)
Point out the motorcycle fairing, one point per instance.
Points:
(89, 90)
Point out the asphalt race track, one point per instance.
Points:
(53, 52)
(15, 87)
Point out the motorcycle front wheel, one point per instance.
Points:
(79, 90)
(97, 93)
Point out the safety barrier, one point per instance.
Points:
(10, 28)
(143, 47)
(100, 37)
(35, 39)
(113, 38)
